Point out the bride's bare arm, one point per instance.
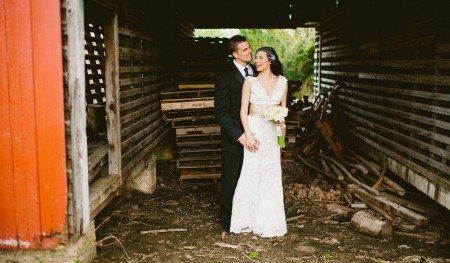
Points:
(283, 102)
(284, 98)
(245, 102)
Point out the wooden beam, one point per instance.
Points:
(101, 191)
(389, 206)
(77, 100)
(113, 95)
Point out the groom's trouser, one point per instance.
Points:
(231, 169)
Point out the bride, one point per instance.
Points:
(258, 200)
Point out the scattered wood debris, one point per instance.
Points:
(157, 231)
(360, 178)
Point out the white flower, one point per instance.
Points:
(275, 113)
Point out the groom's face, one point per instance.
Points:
(243, 52)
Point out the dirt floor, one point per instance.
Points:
(192, 210)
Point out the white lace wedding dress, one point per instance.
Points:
(258, 200)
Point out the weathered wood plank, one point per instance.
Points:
(139, 80)
(136, 34)
(144, 89)
(408, 163)
(398, 135)
(395, 123)
(389, 206)
(142, 123)
(101, 191)
(423, 64)
(138, 135)
(411, 116)
(152, 98)
(163, 131)
(136, 53)
(408, 92)
(126, 118)
(113, 95)
(135, 69)
(76, 82)
(204, 130)
(405, 103)
(189, 104)
(405, 150)
(142, 146)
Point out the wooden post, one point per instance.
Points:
(77, 100)
(112, 95)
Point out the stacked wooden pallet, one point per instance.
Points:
(201, 59)
(191, 114)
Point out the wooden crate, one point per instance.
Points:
(187, 114)
(198, 130)
(200, 153)
(198, 162)
(195, 122)
(196, 85)
(200, 173)
(187, 94)
(187, 99)
(198, 139)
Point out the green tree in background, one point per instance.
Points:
(294, 46)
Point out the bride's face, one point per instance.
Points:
(262, 63)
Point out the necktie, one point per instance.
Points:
(246, 72)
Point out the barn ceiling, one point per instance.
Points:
(254, 13)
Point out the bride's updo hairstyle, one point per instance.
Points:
(275, 64)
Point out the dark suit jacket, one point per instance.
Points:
(227, 106)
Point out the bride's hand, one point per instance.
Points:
(251, 143)
(280, 124)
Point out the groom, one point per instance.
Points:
(227, 104)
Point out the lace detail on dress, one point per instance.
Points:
(258, 205)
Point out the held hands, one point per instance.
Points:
(249, 142)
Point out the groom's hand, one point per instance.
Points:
(242, 139)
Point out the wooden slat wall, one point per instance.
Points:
(147, 67)
(396, 94)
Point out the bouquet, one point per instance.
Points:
(277, 114)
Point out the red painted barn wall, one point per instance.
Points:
(33, 183)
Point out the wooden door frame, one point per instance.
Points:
(102, 190)
(88, 200)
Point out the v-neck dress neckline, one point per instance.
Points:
(265, 90)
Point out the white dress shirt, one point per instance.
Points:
(241, 68)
